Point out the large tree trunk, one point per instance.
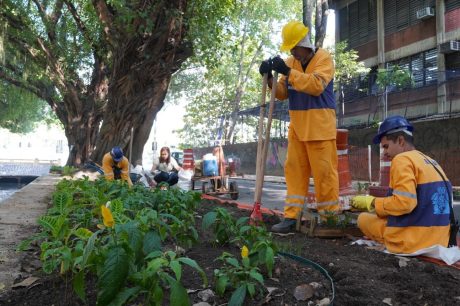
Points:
(137, 113)
(307, 12)
(141, 72)
(322, 11)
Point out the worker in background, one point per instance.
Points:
(116, 166)
(307, 80)
(415, 214)
(165, 168)
(218, 152)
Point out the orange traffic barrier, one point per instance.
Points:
(343, 168)
(384, 178)
(189, 161)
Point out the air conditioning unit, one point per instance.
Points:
(450, 46)
(425, 12)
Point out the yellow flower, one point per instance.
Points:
(107, 216)
(244, 251)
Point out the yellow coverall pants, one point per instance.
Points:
(303, 159)
(372, 226)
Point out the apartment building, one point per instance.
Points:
(412, 48)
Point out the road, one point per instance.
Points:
(274, 192)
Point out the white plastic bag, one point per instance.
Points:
(185, 177)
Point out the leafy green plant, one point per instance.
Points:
(69, 170)
(363, 187)
(164, 270)
(242, 276)
(223, 224)
(135, 223)
(395, 76)
(55, 169)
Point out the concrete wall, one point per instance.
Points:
(439, 139)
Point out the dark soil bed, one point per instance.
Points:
(361, 276)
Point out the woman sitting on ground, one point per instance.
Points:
(165, 168)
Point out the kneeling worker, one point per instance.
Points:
(416, 213)
(116, 166)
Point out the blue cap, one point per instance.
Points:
(392, 125)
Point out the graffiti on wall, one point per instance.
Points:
(276, 156)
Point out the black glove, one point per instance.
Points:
(266, 67)
(280, 66)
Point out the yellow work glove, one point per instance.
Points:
(363, 202)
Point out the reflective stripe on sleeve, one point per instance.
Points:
(405, 194)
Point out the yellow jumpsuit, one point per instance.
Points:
(312, 132)
(108, 165)
(416, 214)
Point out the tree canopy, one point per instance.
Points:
(102, 66)
(230, 81)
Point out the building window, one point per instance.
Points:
(358, 23)
(59, 146)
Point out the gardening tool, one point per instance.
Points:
(262, 147)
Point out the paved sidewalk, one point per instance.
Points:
(18, 220)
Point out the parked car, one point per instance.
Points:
(178, 156)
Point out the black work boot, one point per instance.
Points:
(286, 226)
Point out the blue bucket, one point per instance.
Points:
(210, 167)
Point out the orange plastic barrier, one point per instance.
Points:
(189, 161)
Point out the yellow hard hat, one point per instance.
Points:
(292, 33)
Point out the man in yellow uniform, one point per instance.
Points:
(116, 166)
(416, 213)
(307, 80)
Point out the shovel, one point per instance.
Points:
(262, 147)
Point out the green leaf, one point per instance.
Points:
(61, 200)
(177, 268)
(209, 219)
(238, 296)
(134, 235)
(113, 275)
(192, 263)
(125, 295)
(269, 260)
(156, 264)
(257, 276)
(251, 289)
(179, 296)
(83, 233)
(157, 294)
(152, 242)
(154, 254)
(233, 261)
(89, 248)
(52, 223)
(244, 228)
(241, 221)
(221, 284)
(78, 284)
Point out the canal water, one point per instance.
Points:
(7, 189)
(11, 184)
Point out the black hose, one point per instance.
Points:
(314, 265)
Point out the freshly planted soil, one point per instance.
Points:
(361, 276)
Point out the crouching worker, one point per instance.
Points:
(165, 168)
(415, 215)
(116, 166)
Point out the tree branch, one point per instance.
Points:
(82, 27)
(106, 18)
(39, 89)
